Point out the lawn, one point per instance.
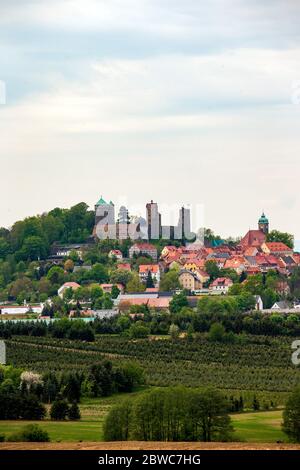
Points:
(250, 427)
(89, 428)
(259, 426)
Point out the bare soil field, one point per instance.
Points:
(134, 445)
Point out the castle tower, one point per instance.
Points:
(153, 218)
(263, 224)
(104, 218)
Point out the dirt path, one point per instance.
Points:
(101, 446)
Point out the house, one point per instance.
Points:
(125, 266)
(63, 251)
(140, 249)
(115, 254)
(281, 305)
(189, 280)
(144, 269)
(276, 248)
(67, 285)
(259, 305)
(154, 299)
(238, 263)
(221, 285)
(108, 287)
(195, 265)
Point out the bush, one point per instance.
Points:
(74, 412)
(2, 437)
(30, 433)
(59, 410)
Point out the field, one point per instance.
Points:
(260, 365)
(260, 427)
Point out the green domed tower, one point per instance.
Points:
(263, 224)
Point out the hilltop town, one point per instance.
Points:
(46, 278)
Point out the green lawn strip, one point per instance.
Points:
(258, 427)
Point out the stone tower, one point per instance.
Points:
(263, 224)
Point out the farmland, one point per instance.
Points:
(260, 365)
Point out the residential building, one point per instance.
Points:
(276, 248)
(144, 270)
(67, 285)
(125, 266)
(221, 285)
(189, 280)
(140, 249)
(108, 287)
(115, 254)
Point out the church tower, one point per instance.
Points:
(263, 224)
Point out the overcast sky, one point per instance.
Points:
(178, 101)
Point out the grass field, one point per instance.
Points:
(255, 427)
(259, 427)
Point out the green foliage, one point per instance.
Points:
(29, 433)
(178, 302)
(138, 330)
(176, 414)
(216, 332)
(286, 238)
(117, 423)
(169, 281)
(74, 412)
(59, 410)
(291, 416)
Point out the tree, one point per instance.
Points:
(283, 237)
(149, 281)
(115, 291)
(138, 330)
(56, 275)
(178, 302)
(169, 281)
(69, 265)
(74, 412)
(212, 270)
(171, 414)
(117, 423)
(59, 410)
(216, 332)
(101, 379)
(291, 416)
(174, 331)
(135, 285)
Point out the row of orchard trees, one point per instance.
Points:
(171, 414)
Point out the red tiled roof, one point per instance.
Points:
(253, 238)
(277, 246)
(153, 268)
(221, 281)
(144, 246)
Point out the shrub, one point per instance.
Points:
(74, 412)
(30, 433)
(59, 410)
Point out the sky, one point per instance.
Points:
(192, 102)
